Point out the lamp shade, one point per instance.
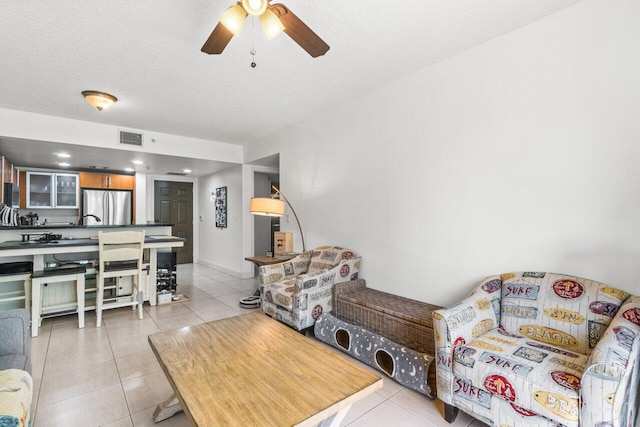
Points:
(233, 19)
(271, 24)
(100, 100)
(266, 206)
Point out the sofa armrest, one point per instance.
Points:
(612, 370)
(14, 332)
(313, 292)
(284, 270)
(345, 271)
(454, 326)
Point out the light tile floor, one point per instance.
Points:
(109, 376)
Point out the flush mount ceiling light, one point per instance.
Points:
(100, 100)
(274, 19)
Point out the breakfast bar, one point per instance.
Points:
(80, 246)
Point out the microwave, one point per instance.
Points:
(11, 195)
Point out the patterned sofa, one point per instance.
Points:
(540, 349)
(16, 385)
(298, 291)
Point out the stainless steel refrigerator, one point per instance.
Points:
(113, 207)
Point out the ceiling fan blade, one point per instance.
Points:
(300, 32)
(217, 41)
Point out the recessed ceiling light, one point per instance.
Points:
(129, 169)
(186, 170)
(63, 155)
(137, 162)
(64, 164)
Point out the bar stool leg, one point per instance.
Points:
(139, 281)
(99, 297)
(35, 309)
(27, 293)
(80, 294)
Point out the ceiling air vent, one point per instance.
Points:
(177, 173)
(131, 138)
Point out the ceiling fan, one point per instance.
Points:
(274, 19)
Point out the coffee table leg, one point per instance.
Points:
(336, 419)
(167, 409)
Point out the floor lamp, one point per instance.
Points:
(269, 206)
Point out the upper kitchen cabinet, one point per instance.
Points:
(52, 190)
(107, 181)
(66, 195)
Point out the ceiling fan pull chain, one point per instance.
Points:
(253, 58)
(253, 52)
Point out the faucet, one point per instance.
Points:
(81, 220)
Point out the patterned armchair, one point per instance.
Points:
(298, 291)
(540, 349)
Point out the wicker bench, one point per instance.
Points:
(402, 320)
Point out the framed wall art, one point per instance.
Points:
(221, 207)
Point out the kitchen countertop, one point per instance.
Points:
(16, 244)
(73, 226)
(80, 246)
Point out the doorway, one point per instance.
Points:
(264, 226)
(173, 204)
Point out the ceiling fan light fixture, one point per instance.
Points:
(271, 24)
(100, 100)
(233, 19)
(255, 7)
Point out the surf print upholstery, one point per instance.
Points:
(540, 349)
(298, 291)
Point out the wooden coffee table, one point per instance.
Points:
(253, 370)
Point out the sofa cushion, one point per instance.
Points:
(535, 376)
(15, 361)
(280, 293)
(558, 309)
(327, 257)
(16, 390)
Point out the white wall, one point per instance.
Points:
(142, 215)
(21, 124)
(221, 248)
(519, 154)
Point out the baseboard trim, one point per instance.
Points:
(234, 273)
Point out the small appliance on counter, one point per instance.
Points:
(32, 218)
(45, 237)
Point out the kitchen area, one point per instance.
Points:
(50, 219)
(62, 198)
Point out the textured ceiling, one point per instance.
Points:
(147, 53)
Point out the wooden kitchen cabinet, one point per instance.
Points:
(9, 174)
(107, 181)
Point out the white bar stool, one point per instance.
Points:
(120, 255)
(56, 275)
(16, 272)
